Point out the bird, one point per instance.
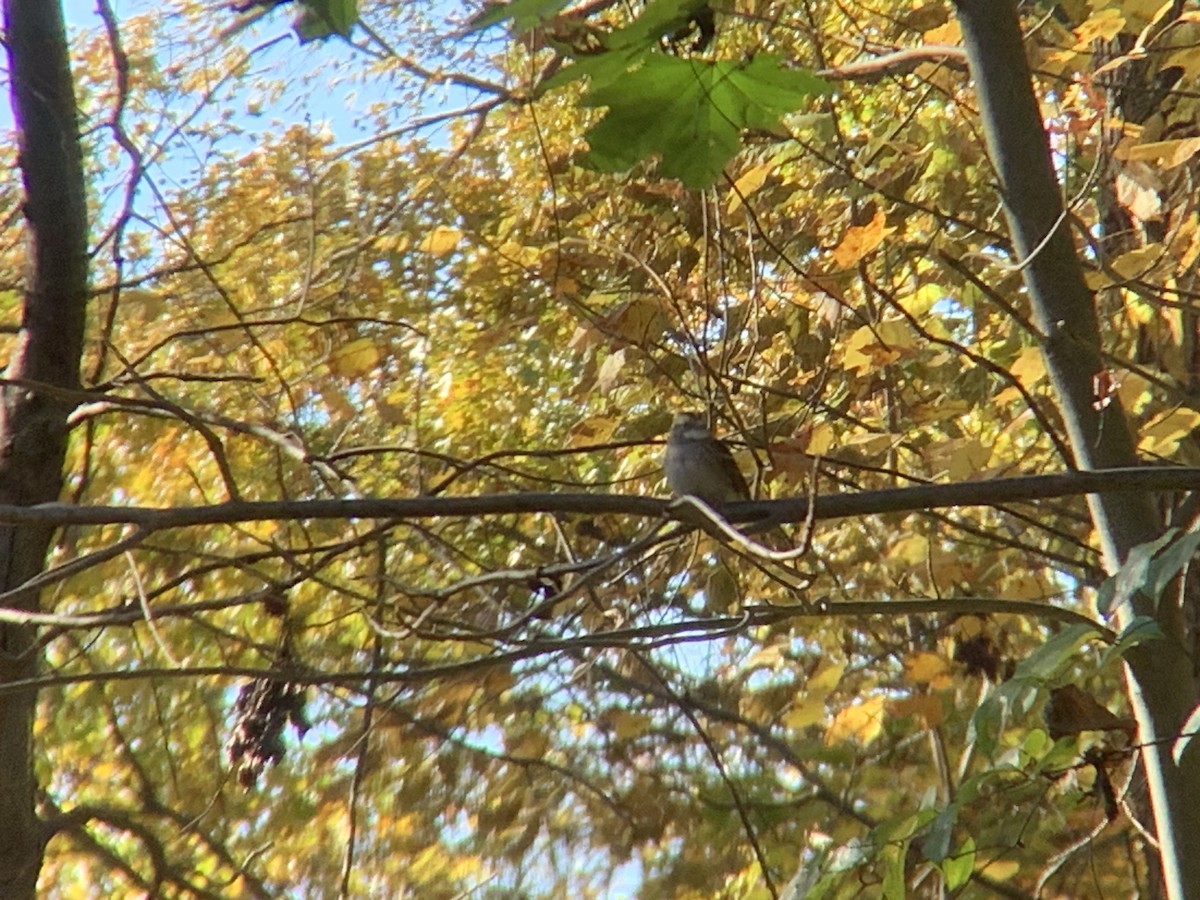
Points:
(699, 464)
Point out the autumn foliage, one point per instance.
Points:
(478, 256)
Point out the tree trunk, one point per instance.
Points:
(1158, 674)
(45, 360)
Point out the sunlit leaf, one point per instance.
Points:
(1162, 435)
(861, 722)
(861, 240)
(922, 668)
(690, 113)
(441, 241)
(958, 867)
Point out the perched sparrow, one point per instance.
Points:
(699, 464)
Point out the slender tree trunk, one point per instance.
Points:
(1158, 674)
(33, 419)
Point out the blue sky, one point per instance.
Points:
(287, 58)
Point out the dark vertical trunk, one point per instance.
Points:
(1158, 674)
(33, 418)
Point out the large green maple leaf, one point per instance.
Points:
(690, 112)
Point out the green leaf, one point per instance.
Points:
(1063, 754)
(892, 830)
(1055, 654)
(957, 869)
(525, 14)
(690, 113)
(1164, 568)
(1132, 577)
(658, 18)
(986, 722)
(319, 19)
(894, 883)
(1020, 692)
(602, 69)
(1138, 631)
(936, 845)
(1037, 744)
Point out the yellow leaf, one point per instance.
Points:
(949, 33)
(895, 334)
(355, 359)
(747, 183)
(825, 679)
(1169, 153)
(1103, 25)
(1163, 433)
(912, 550)
(967, 458)
(1096, 280)
(860, 240)
(1060, 61)
(871, 444)
(497, 681)
(149, 305)
(758, 708)
(638, 321)
(805, 712)
(1024, 586)
(1137, 263)
(518, 254)
(1134, 391)
(1006, 396)
(968, 627)
(949, 567)
(764, 658)
(821, 439)
(626, 725)
(1029, 367)
(941, 410)
(864, 350)
(392, 243)
(1187, 59)
(861, 723)
(1001, 869)
(922, 300)
(441, 240)
(926, 708)
(1146, 10)
(593, 430)
(1139, 310)
(923, 667)
(789, 457)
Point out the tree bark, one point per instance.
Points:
(33, 421)
(1158, 674)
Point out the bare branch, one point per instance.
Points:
(825, 506)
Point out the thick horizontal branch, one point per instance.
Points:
(826, 506)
